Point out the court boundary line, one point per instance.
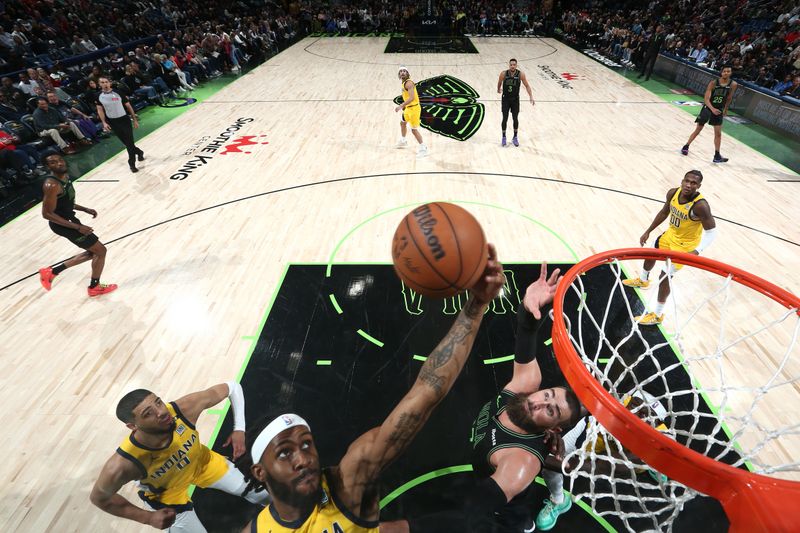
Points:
(393, 174)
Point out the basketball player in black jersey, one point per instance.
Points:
(59, 208)
(508, 86)
(510, 435)
(719, 94)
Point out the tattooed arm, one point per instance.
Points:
(374, 450)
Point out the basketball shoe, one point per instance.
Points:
(101, 288)
(46, 278)
(503, 142)
(649, 319)
(636, 282)
(685, 149)
(401, 143)
(547, 517)
(514, 141)
(422, 152)
(719, 159)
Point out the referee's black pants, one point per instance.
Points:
(123, 128)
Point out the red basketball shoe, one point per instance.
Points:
(46, 277)
(101, 288)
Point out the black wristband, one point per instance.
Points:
(526, 345)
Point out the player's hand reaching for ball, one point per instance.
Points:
(236, 440)
(489, 284)
(162, 519)
(541, 292)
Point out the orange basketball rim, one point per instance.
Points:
(752, 502)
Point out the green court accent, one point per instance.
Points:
(248, 338)
(769, 143)
(603, 361)
(419, 358)
(415, 204)
(335, 303)
(370, 338)
(458, 469)
(218, 411)
(239, 374)
(498, 360)
(548, 342)
(324, 362)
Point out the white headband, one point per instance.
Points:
(402, 68)
(278, 425)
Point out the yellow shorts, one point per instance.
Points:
(209, 472)
(666, 242)
(411, 114)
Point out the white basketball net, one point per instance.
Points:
(731, 349)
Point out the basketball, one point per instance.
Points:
(439, 250)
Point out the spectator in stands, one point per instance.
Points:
(14, 94)
(50, 123)
(136, 85)
(74, 115)
(183, 77)
(21, 158)
(27, 85)
(698, 54)
(792, 90)
(781, 86)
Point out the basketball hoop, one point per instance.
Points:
(751, 500)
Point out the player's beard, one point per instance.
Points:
(287, 493)
(516, 408)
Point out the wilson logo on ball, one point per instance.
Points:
(427, 225)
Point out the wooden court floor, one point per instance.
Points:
(198, 244)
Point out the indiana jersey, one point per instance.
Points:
(413, 102)
(328, 516)
(684, 230)
(168, 472)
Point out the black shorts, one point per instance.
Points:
(707, 116)
(74, 236)
(510, 105)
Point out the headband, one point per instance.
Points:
(272, 430)
(402, 68)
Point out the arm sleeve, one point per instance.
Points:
(526, 343)
(236, 396)
(484, 498)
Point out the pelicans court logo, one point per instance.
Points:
(206, 148)
(450, 107)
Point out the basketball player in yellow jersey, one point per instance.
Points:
(691, 229)
(411, 113)
(164, 454)
(345, 498)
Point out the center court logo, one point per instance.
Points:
(206, 148)
(449, 107)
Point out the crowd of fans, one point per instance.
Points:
(52, 55)
(760, 40)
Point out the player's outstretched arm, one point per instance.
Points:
(374, 450)
(117, 472)
(535, 304)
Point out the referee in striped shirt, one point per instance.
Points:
(116, 112)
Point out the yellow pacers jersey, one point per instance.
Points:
(328, 516)
(167, 472)
(415, 101)
(683, 231)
